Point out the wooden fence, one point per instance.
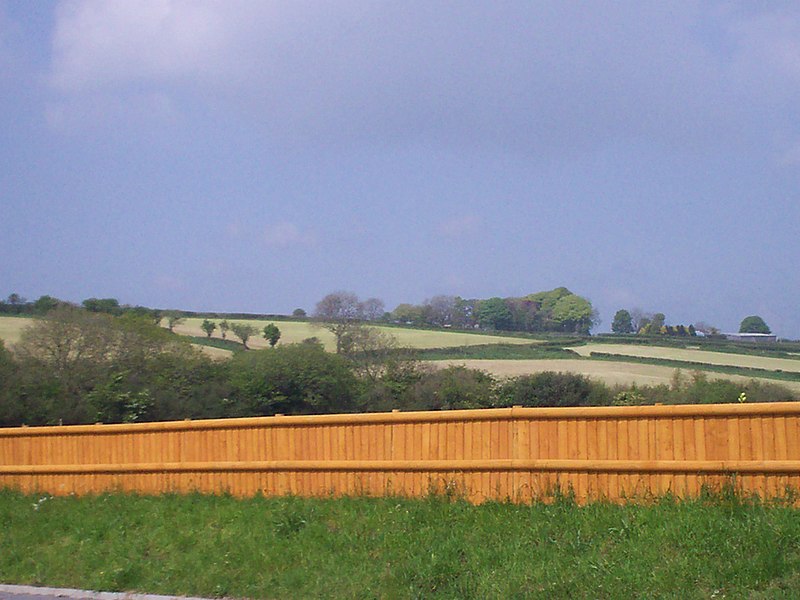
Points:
(512, 453)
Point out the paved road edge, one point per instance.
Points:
(85, 594)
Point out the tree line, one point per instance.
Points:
(641, 323)
(77, 366)
(557, 310)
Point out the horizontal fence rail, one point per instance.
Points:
(512, 453)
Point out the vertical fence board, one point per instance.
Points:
(495, 454)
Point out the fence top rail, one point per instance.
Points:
(488, 414)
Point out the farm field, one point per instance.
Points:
(11, 328)
(698, 356)
(297, 331)
(609, 372)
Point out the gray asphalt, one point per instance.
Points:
(26, 592)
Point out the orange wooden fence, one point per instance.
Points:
(511, 453)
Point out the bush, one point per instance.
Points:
(452, 388)
(291, 379)
(553, 389)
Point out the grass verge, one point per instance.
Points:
(712, 547)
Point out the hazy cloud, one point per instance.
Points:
(460, 226)
(532, 77)
(168, 282)
(98, 44)
(284, 234)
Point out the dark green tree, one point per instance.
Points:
(623, 322)
(103, 305)
(45, 304)
(224, 327)
(292, 379)
(494, 314)
(272, 334)
(754, 324)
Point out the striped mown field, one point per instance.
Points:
(609, 372)
(698, 356)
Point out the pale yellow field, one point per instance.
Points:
(700, 356)
(612, 373)
(297, 331)
(11, 328)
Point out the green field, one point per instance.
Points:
(698, 356)
(720, 546)
(297, 331)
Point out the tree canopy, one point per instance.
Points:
(754, 324)
(623, 322)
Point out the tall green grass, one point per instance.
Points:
(716, 546)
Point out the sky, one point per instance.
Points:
(254, 156)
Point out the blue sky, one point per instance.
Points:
(254, 156)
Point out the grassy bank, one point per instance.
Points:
(720, 546)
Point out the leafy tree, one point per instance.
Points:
(272, 334)
(455, 387)
(440, 310)
(174, 318)
(754, 324)
(292, 379)
(639, 319)
(494, 314)
(70, 349)
(573, 314)
(208, 327)
(623, 322)
(408, 313)
(78, 366)
(299, 313)
(547, 300)
(653, 324)
(224, 326)
(372, 309)
(552, 389)
(244, 331)
(339, 313)
(369, 350)
(15, 299)
(103, 305)
(11, 411)
(526, 315)
(45, 304)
